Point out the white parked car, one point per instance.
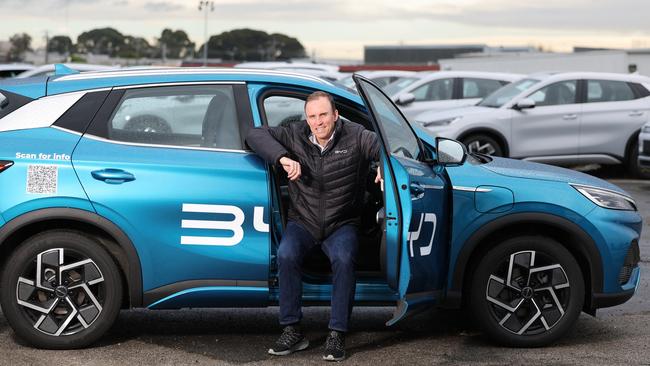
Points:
(569, 118)
(324, 71)
(440, 90)
(380, 77)
(11, 70)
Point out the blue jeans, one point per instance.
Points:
(341, 248)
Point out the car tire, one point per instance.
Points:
(632, 164)
(527, 291)
(60, 290)
(483, 144)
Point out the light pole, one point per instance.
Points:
(206, 7)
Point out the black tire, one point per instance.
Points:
(483, 144)
(632, 164)
(148, 123)
(521, 326)
(74, 294)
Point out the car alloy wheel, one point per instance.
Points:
(62, 292)
(529, 293)
(482, 144)
(60, 289)
(526, 291)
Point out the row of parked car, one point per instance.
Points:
(568, 118)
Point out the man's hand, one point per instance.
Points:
(379, 179)
(292, 168)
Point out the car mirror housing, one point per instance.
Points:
(450, 152)
(525, 103)
(404, 99)
(3, 101)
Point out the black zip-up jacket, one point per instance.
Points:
(329, 192)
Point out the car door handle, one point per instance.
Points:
(570, 116)
(113, 176)
(417, 190)
(636, 114)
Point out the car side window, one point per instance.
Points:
(193, 116)
(440, 89)
(283, 110)
(608, 91)
(479, 88)
(563, 92)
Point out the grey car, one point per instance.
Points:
(569, 118)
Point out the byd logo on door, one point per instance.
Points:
(234, 226)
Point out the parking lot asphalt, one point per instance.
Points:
(616, 336)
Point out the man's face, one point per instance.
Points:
(321, 118)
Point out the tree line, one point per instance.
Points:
(235, 45)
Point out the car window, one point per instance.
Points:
(401, 139)
(608, 91)
(435, 90)
(398, 85)
(282, 110)
(563, 92)
(479, 88)
(506, 93)
(199, 116)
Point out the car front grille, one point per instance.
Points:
(631, 261)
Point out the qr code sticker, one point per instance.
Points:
(42, 179)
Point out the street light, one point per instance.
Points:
(206, 7)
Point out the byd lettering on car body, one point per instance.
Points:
(234, 225)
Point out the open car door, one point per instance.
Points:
(417, 215)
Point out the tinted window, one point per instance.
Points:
(400, 137)
(559, 93)
(198, 116)
(436, 90)
(505, 94)
(282, 110)
(608, 91)
(479, 88)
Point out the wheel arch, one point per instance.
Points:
(498, 136)
(569, 234)
(629, 144)
(110, 236)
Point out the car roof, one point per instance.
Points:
(58, 84)
(51, 67)
(427, 75)
(16, 66)
(556, 76)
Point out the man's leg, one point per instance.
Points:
(296, 242)
(341, 247)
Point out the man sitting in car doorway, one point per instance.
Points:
(322, 159)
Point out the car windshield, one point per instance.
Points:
(398, 85)
(503, 95)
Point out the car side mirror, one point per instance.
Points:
(525, 103)
(404, 99)
(450, 152)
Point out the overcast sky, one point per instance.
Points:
(340, 28)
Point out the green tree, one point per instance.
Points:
(135, 47)
(60, 44)
(102, 41)
(20, 43)
(175, 44)
(253, 45)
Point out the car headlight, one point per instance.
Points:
(440, 122)
(606, 198)
(646, 129)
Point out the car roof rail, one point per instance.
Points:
(61, 69)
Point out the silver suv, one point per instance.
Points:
(569, 118)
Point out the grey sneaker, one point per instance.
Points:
(335, 346)
(291, 340)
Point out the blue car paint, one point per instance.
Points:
(544, 190)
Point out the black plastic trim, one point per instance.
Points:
(134, 275)
(601, 300)
(99, 125)
(586, 246)
(79, 116)
(14, 100)
(244, 112)
(162, 292)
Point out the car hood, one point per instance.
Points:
(525, 169)
(465, 112)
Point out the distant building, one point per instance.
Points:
(403, 54)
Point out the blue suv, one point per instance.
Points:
(135, 188)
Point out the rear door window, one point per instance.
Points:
(608, 91)
(479, 88)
